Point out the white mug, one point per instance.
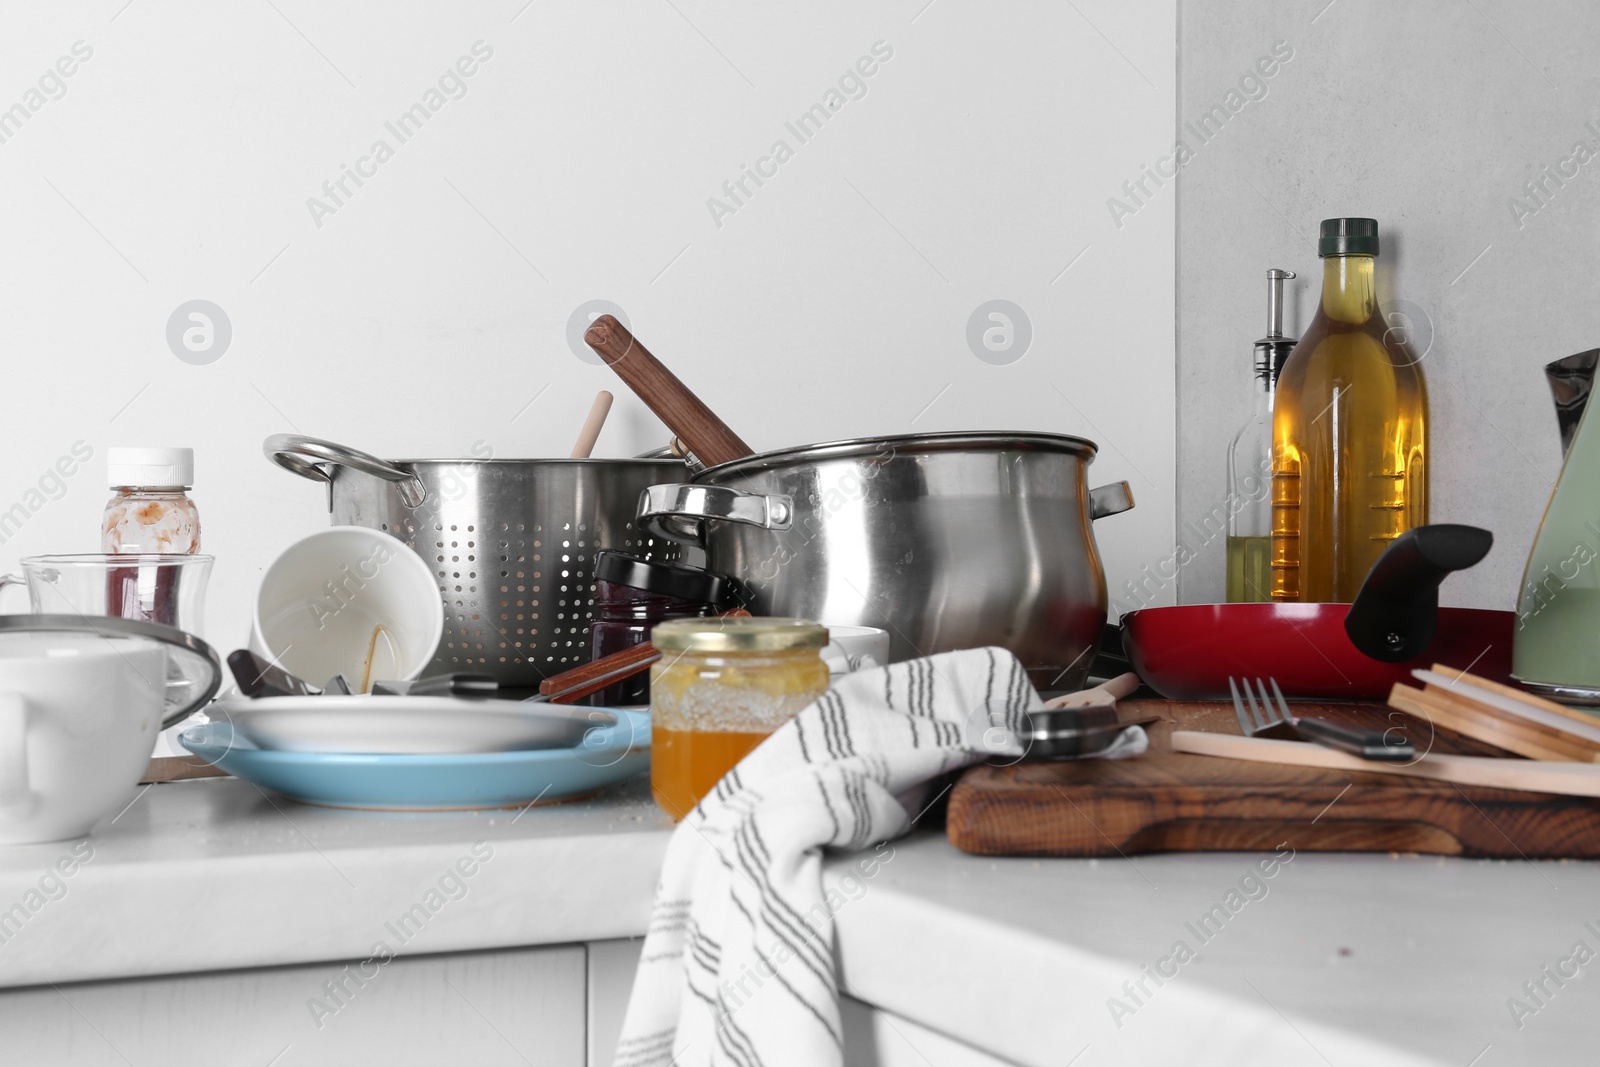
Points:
(348, 600)
(855, 648)
(79, 715)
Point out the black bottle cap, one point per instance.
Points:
(1348, 237)
(665, 579)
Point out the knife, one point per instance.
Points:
(259, 678)
(457, 684)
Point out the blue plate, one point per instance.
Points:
(433, 783)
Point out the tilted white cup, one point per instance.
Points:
(348, 600)
(79, 715)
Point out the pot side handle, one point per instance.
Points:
(1111, 499)
(312, 457)
(681, 511)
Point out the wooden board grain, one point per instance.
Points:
(179, 769)
(1172, 802)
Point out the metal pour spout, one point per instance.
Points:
(1272, 350)
(1275, 280)
(1571, 381)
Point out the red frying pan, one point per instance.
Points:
(1331, 651)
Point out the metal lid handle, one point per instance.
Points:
(312, 457)
(680, 511)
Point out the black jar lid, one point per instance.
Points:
(663, 579)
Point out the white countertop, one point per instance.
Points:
(1346, 959)
(212, 874)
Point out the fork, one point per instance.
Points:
(1274, 720)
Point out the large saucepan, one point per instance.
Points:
(511, 542)
(946, 540)
(1355, 651)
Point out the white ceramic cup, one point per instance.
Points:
(855, 648)
(79, 715)
(348, 600)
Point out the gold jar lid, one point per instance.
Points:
(738, 634)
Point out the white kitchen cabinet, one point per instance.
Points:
(559, 1006)
(872, 1038)
(611, 967)
(510, 1007)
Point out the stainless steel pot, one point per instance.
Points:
(510, 541)
(948, 540)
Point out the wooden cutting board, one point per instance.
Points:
(1166, 801)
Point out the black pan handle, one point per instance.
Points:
(1396, 612)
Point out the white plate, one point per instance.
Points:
(387, 725)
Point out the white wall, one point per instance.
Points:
(427, 312)
(1429, 116)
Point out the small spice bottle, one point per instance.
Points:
(150, 510)
(720, 688)
(632, 595)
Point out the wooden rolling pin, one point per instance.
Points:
(708, 437)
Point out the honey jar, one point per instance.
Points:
(721, 686)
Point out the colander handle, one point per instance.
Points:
(312, 457)
(1111, 499)
(681, 511)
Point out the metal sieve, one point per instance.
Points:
(511, 542)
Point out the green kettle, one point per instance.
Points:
(1556, 647)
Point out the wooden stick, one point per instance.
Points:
(707, 436)
(597, 674)
(1534, 776)
(591, 426)
(1465, 718)
(1551, 734)
(579, 682)
(1517, 695)
(1512, 707)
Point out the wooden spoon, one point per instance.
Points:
(591, 426)
(708, 437)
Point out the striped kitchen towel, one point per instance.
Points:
(737, 967)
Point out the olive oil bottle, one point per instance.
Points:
(1349, 471)
(1249, 559)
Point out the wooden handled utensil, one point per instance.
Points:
(1534, 776)
(573, 685)
(591, 426)
(707, 436)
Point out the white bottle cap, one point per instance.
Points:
(152, 467)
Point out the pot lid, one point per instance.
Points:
(194, 671)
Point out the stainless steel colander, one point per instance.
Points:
(510, 541)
